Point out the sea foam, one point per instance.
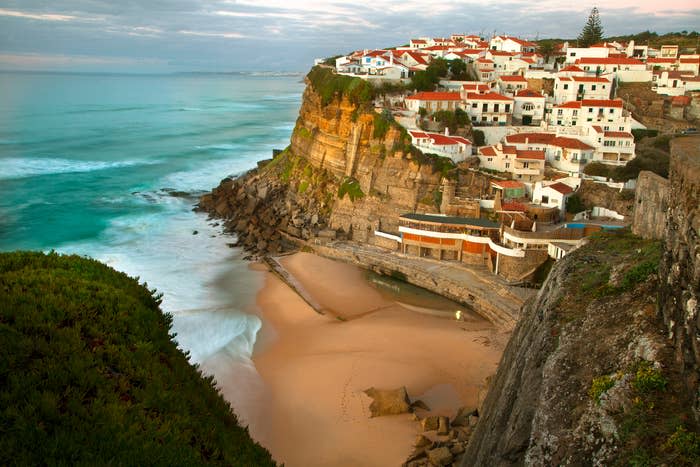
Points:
(15, 167)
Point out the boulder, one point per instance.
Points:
(462, 417)
(388, 401)
(430, 423)
(440, 456)
(443, 426)
(421, 442)
(419, 404)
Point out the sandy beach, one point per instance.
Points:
(311, 408)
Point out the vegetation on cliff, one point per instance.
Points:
(588, 375)
(89, 374)
(329, 85)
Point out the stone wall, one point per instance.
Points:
(518, 269)
(650, 205)
(680, 267)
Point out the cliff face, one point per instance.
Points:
(680, 266)
(602, 367)
(347, 172)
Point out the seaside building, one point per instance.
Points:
(454, 147)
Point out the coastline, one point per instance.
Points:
(310, 407)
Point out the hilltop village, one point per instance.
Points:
(540, 123)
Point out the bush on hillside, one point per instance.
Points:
(329, 85)
(89, 374)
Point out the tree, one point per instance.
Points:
(458, 69)
(546, 49)
(592, 31)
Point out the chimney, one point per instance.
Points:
(499, 146)
(447, 131)
(527, 139)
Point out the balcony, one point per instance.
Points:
(523, 171)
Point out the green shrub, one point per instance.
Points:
(648, 379)
(382, 123)
(639, 273)
(351, 187)
(330, 85)
(599, 386)
(598, 169)
(640, 133)
(478, 137)
(574, 204)
(684, 447)
(90, 375)
(303, 186)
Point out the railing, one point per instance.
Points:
(512, 252)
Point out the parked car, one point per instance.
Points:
(690, 131)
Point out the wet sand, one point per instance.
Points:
(314, 368)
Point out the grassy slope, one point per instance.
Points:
(89, 374)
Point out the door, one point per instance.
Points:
(527, 119)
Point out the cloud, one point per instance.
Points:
(225, 35)
(289, 34)
(37, 16)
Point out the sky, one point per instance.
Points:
(145, 36)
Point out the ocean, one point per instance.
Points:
(109, 166)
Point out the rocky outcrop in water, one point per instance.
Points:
(347, 172)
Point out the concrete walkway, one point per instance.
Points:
(487, 294)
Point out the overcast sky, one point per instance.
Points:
(283, 35)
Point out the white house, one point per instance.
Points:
(689, 63)
(574, 88)
(528, 107)
(489, 108)
(562, 152)
(418, 43)
(433, 101)
(511, 44)
(552, 194)
(525, 165)
(623, 68)
(668, 51)
(454, 147)
(484, 69)
(511, 84)
(608, 112)
(575, 53)
(662, 63)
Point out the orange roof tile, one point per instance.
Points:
(435, 96)
(561, 188)
(602, 103)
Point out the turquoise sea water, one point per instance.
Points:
(87, 162)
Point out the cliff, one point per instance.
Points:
(602, 368)
(347, 172)
(90, 374)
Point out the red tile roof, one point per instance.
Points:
(570, 143)
(661, 60)
(528, 93)
(561, 188)
(590, 79)
(513, 206)
(548, 138)
(690, 60)
(680, 101)
(569, 105)
(609, 61)
(502, 53)
(602, 103)
(618, 134)
(435, 96)
(440, 139)
(487, 151)
(572, 68)
(530, 154)
(515, 78)
(489, 96)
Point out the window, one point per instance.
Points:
(485, 108)
(545, 199)
(566, 86)
(507, 108)
(590, 110)
(589, 119)
(490, 159)
(593, 87)
(612, 111)
(560, 112)
(473, 118)
(495, 107)
(575, 113)
(574, 122)
(558, 122)
(475, 105)
(606, 128)
(526, 165)
(507, 165)
(483, 119)
(528, 107)
(573, 54)
(495, 119)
